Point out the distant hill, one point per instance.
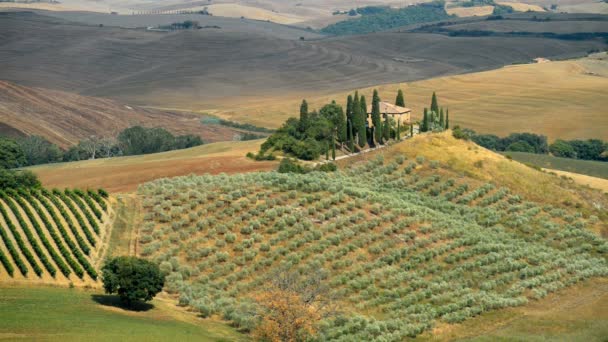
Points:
(65, 118)
(210, 68)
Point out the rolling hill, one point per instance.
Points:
(404, 243)
(56, 237)
(208, 68)
(562, 99)
(65, 118)
(125, 174)
(432, 236)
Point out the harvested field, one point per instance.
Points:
(500, 101)
(65, 118)
(124, 174)
(169, 70)
(470, 11)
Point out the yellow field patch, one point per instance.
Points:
(470, 11)
(521, 7)
(249, 12)
(566, 99)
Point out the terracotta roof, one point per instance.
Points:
(388, 108)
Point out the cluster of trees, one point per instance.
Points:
(35, 150)
(315, 133)
(435, 120)
(590, 149)
(376, 18)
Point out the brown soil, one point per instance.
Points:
(66, 118)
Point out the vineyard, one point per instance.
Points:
(403, 244)
(52, 235)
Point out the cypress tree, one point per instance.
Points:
(376, 120)
(441, 119)
(341, 126)
(363, 107)
(351, 139)
(398, 130)
(400, 101)
(361, 118)
(349, 108)
(326, 151)
(425, 121)
(387, 128)
(304, 116)
(447, 119)
(412, 130)
(434, 105)
(333, 150)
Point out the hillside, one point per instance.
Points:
(65, 118)
(562, 99)
(54, 237)
(239, 65)
(125, 174)
(407, 240)
(73, 314)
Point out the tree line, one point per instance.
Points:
(377, 18)
(322, 132)
(590, 149)
(35, 150)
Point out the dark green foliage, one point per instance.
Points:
(51, 230)
(335, 115)
(211, 120)
(520, 146)
(389, 18)
(81, 243)
(398, 134)
(7, 264)
(90, 203)
(591, 149)
(360, 114)
(42, 197)
(502, 10)
(288, 165)
(303, 116)
(38, 150)
(103, 193)
(47, 244)
(425, 121)
(369, 10)
(434, 104)
(14, 179)
(376, 120)
(76, 199)
(97, 197)
(447, 119)
(386, 128)
(561, 148)
(132, 278)
(400, 101)
(260, 156)
(520, 142)
(66, 200)
(140, 140)
(13, 251)
(22, 245)
(11, 154)
(441, 118)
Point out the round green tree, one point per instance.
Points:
(133, 279)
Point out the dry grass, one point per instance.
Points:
(593, 182)
(466, 159)
(559, 99)
(522, 7)
(470, 11)
(124, 174)
(574, 314)
(250, 12)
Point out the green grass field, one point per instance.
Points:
(585, 167)
(41, 314)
